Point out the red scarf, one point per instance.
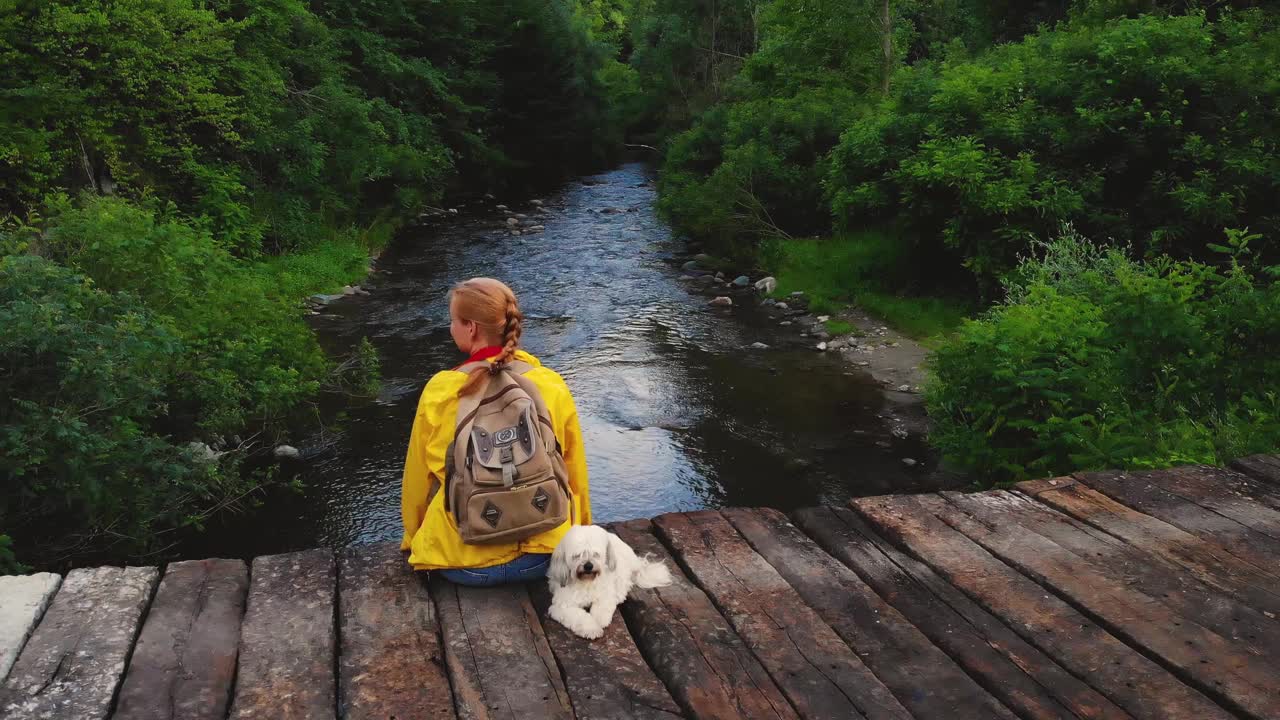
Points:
(483, 354)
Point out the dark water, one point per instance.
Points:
(676, 413)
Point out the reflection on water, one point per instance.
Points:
(675, 414)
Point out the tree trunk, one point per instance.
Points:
(886, 45)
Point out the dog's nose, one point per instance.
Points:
(588, 567)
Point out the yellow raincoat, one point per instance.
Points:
(430, 533)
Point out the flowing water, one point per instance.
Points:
(677, 413)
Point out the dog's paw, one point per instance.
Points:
(590, 631)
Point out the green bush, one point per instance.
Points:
(1154, 131)
(1098, 361)
(87, 452)
(247, 358)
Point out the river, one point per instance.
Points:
(677, 412)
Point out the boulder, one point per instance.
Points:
(690, 266)
(741, 281)
(767, 285)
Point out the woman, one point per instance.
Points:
(486, 324)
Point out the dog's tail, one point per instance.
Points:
(652, 574)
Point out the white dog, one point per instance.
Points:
(591, 572)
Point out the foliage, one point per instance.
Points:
(1154, 131)
(86, 374)
(1096, 360)
(247, 358)
(275, 120)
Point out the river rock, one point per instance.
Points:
(782, 306)
(690, 266)
(286, 452)
(759, 346)
(909, 462)
(741, 281)
(904, 388)
(721, 301)
(512, 222)
(453, 211)
(702, 258)
(536, 228)
(720, 276)
(203, 452)
(536, 203)
(822, 346)
(785, 323)
(521, 216)
(823, 318)
(767, 285)
(798, 293)
(501, 207)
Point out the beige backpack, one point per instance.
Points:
(505, 478)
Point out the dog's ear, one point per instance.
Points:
(559, 572)
(611, 552)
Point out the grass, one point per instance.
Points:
(840, 327)
(860, 269)
(339, 260)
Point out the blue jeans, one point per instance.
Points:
(530, 566)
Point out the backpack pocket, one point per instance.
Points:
(508, 514)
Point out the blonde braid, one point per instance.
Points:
(512, 329)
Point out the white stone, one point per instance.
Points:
(286, 452)
(823, 318)
(759, 346)
(536, 203)
(501, 207)
(722, 300)
(767, 285)
(909, 462)
(822, 346)
(782, 306)
(904, 388)
(23, 599)
(512, 222)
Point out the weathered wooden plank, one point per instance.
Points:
(1131, 680)
(184, 662)
(922, 677)
(1264, 468)
(287, 641)
(1103, 554)
(390, 664)
(1145, 493)
(1228, 493)
(606, 678)
(23, 600)
(819, 674)
(703, 662)
(1207, 562)
(1023, 677)
(497, 654)
(1217, 666)
(72, 663)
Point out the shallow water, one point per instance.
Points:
(676, 413)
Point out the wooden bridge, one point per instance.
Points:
(1143, 595)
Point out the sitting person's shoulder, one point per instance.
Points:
(442, 387)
